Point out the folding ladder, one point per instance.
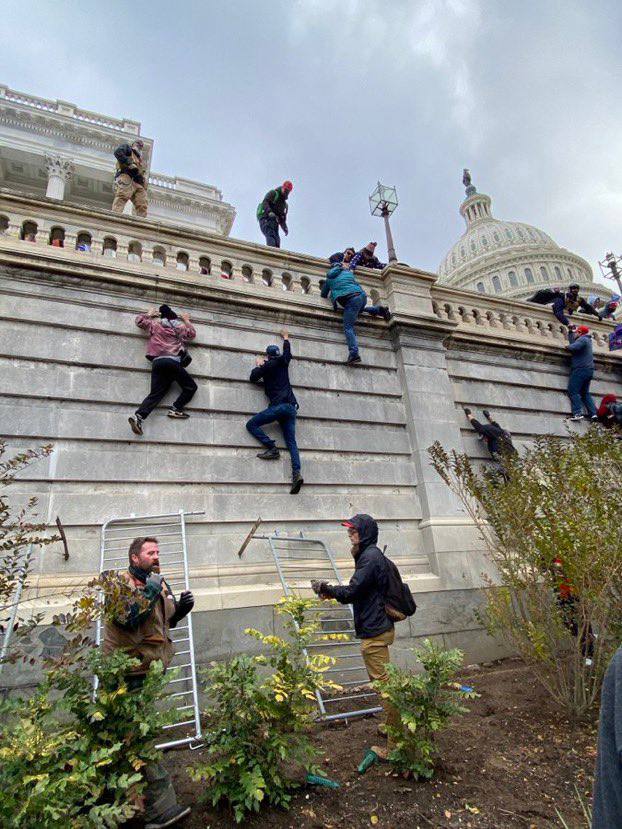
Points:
(298, 560)
(170, 530)
(7, 625)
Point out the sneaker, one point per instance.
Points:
(136, 423)
(270, 454)
(352, 359)
(177, 414)
(297, 482)
(594, 418)
(576, 417)
(385, 313)
(169, 818)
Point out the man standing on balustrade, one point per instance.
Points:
(272, 370)
(130, 179)
(272, 213)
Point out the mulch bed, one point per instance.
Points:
(509, 763)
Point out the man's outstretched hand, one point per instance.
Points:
(185, 603)
(285, 334)
(185, 318)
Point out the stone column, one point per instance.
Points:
(60, 170)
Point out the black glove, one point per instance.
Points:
(467, 412)
(600, 317)
(486, 414)
(319, 587)
(183, 608)
(322, 283)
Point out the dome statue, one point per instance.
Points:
(511, 259)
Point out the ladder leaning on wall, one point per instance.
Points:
(298, 560)
(170, 530)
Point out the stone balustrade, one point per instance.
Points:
(510, 319)
(86, 237)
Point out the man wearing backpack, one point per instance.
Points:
(130, 179)
(272, 213)
(367, 592)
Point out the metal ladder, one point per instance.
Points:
(170, 530)
(7, 625)
(298, 560)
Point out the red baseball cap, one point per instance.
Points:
(287, 185)
(583, 329)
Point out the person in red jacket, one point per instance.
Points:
(168, 337)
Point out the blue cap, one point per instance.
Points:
(273, 351)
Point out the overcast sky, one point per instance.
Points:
(336, 94)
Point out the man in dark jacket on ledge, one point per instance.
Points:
(273, 371)
(272, 213)
(366, 593)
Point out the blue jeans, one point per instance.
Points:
(285, 414)
(355, 306)
(579, 391)
(270, 229)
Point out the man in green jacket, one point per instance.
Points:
(272, 213)
(345, 292)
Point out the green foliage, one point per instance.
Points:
(257, 740)
(555, 523)
(68, 759)
(425, 702)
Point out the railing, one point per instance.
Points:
(70, 110)
(510, 319)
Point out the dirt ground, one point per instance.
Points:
(509, 762)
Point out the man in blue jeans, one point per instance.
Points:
(581, 372)
(345, 292)
(273, 370)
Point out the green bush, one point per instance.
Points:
(554, 525)
(68, 759)
(258, 746)
(425, 703)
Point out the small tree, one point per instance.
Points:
(554, 535)
(257, 726)
(425, 701)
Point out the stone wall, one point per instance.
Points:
(72, 369)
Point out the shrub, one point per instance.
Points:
(425, 702)
(257, 726)
(554, 535)
(68, 759)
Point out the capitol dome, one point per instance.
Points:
(510, 259)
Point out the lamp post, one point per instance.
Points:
(610, 268)
(383, 202)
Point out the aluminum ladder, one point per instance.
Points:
(7, 624)
(298, 560)
(170, 530)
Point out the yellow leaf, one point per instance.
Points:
(447, 814)
(373, 820)
(472, 809)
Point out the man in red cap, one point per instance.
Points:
(272, 213)
(581, 372)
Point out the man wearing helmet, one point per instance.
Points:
(130, 178)
(272, 213)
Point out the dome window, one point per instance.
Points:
(485, 241)
(544, 273)
(473, 248)
(496, 284)
(558, 273)
(508, 233)
(532, 234)
(570, 273)
(521, 235)
(513, 279)
(462, 251)
(529, 276)
(496, 237)
(481, 288)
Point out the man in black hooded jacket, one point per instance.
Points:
(366, 593)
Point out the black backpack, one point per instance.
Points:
(398, 600)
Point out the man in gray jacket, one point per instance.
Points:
(581, 372)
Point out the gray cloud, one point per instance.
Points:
(336, 94)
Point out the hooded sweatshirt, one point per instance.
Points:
(166, 337)
(368, 586)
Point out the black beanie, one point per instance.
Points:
(167, 312)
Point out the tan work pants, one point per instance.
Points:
(126, 189)
(375, 652)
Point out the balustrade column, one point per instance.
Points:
(59, 170)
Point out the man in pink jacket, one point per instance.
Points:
(168, 337)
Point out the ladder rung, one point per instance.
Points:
(181, 678)
(336, 670)
(182, 653)
(355, 682)
(177, 641)
(178, 694)
(179, 724)
(352, 696)
(362, 712)
(183, 707)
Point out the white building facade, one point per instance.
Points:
(510, 259)
(55, 149)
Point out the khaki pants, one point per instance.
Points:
(375, 652)
(126, 189)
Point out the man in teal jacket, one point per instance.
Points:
(345, 292)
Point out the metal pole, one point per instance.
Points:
(387, 227)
